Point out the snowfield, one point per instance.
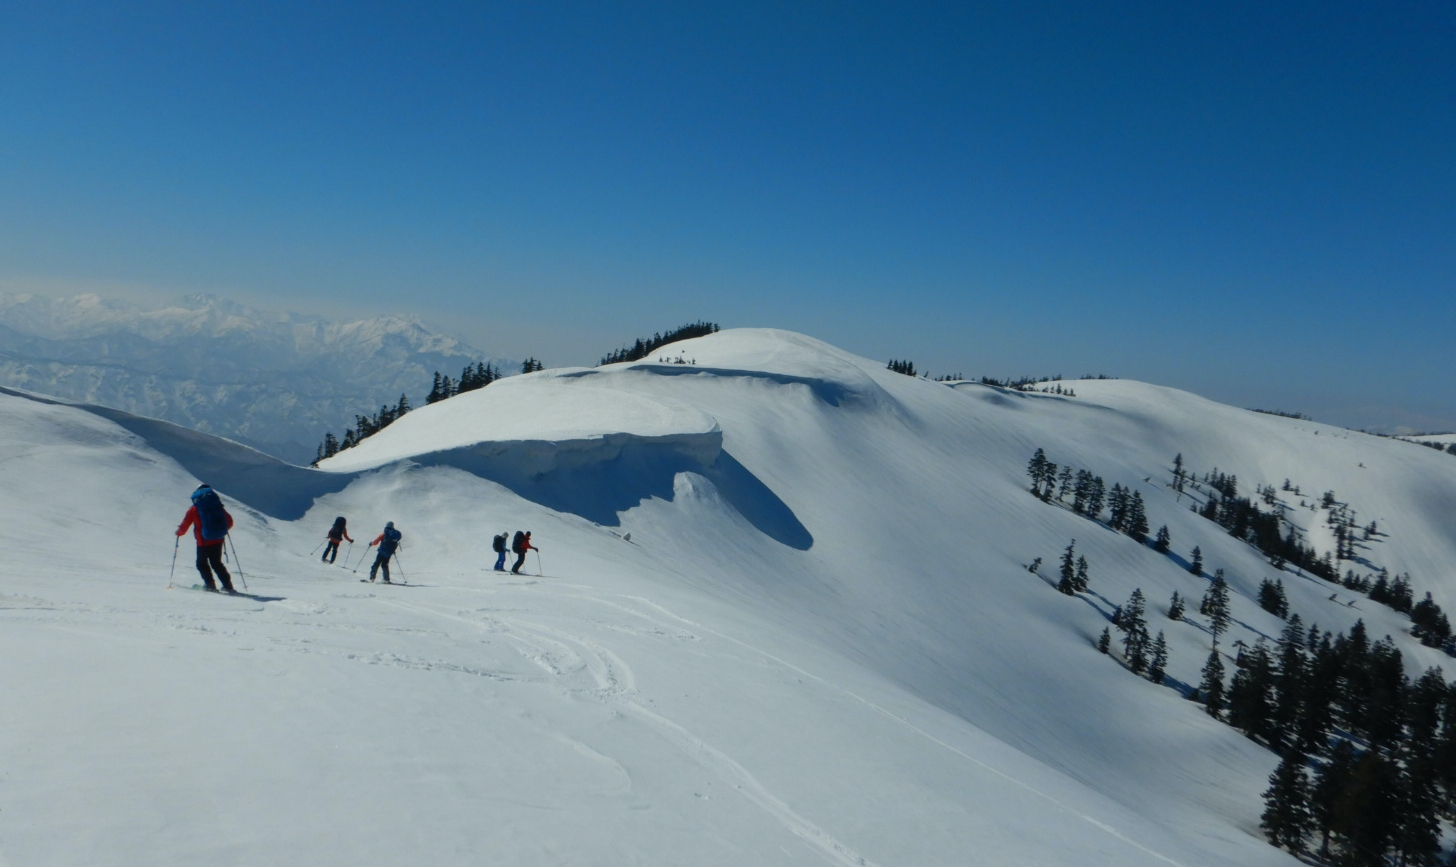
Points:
(821, 645)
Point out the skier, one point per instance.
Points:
(337, 534)
(387, 541)
(521, 544)
(498, 544)
(210, 524)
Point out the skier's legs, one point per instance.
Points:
(332, 551)
(374, 568)
(203, 568)
(214, 558)
(520, 559)
(500, 562)
(384, 564)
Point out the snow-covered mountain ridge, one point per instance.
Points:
(820, 645)
(276, 381)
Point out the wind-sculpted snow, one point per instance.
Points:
(821, 643)
(600, 478)
(277, 489)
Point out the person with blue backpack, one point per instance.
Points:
(499, 545)
(388, 543)
(210, 524)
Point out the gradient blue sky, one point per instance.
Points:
(1254, 201)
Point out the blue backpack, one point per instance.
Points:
(391, 540)
(211, 516)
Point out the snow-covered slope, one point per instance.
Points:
(275, 381)
(820, 645)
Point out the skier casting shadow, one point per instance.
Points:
(388, 543)
(210, 524)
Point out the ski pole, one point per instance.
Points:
(539, 568)
(316, 547)
(171, 575)
(399, 561)
(236, 565)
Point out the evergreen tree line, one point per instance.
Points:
(1369, 758)
(1449, 448)
(475, 376)
(1140, 652)
(364, 426)
(899, 366)
(1282, 414)
(643, 347)
(1089, 493)
(1025, 383)
(1245, 520)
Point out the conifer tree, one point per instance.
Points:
(1215, 606)
(1249, 706)
(1132, 622)
(1164, 540)
(1287, 818)
(1117, 503)
(1210, 688)
(1273, 599)
(1175, 607)
(1068, 584)
(1196, 567)
(1157, 669)
(1137, 517)
(1065, 478)
(1081, 577)
(1036, 469)
(1104, 642)
(1326, 805)
(1097, 493)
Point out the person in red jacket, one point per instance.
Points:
(520, 545)
(209, 551)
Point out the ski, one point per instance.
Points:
(238, 594)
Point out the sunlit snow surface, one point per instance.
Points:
(821, 644)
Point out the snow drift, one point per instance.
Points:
(820, 645)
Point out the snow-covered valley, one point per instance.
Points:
(821, 643)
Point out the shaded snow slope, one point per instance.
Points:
(821, 644)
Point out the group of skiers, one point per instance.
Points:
(210, 523)
(520, 544)
(388, 542)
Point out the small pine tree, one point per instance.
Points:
(1210, 688)
(1068, 584)
(1081, 577)
(1104, 642)
(1137, 517)
(1175, 607)
(1134, 632)
(1196, 567)
(1164, 540)
(1157, 670)
(1215, 606)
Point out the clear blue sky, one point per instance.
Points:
(1255, 201)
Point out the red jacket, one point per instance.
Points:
(192, 520)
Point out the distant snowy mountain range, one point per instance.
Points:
(274, 381)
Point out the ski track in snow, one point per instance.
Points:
(563, 654)
(1097, 823)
